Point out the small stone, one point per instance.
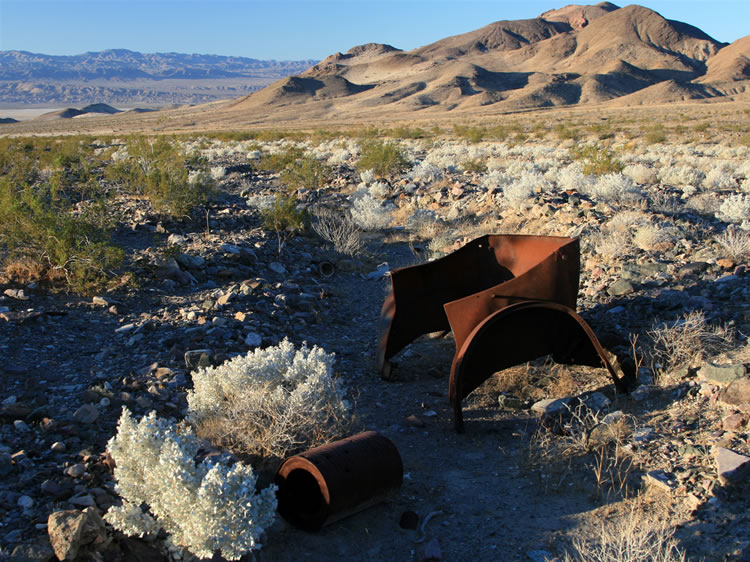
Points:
(35, 552)
(72, 533)
(6, 463)
(253, 340)
(85, 500)
(21, 426)
(125, 328)
(25, 502)
(551, 406)
(277, 268)
(620, 288)
(732, 467)
(509, 402)
(195, 358)
(144, 402)
(192, 315)
(414, 421)
(16, 294)
(733, 422)
(58, 446)
(101, 301)
(86, 414)
(725, 263)
(643, 434)
(661, 480)
(722, 374)
(52, 488)
(76, 471)
(596, 401)
(642, 392)
(737, 394)
(225, 298)
(240, 316)
(432, 551)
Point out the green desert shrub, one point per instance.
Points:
(160, 169)
(39, 228)
(597, 160)
(469, 132)
(305, 171)
(284, 219)
(383, 158)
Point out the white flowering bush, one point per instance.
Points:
(204, 507)
(736, 209)
(613, 188)
(681, 176)
(640, 173)
(218, 172)
(425, 172)
(522, 189)
(270, 402)
(719, 178)
(572, 177)
(370, 213)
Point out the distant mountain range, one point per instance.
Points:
(127, 77)
(598, 55)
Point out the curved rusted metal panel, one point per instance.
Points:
(472, 282)
(332, 481)
(519, 333)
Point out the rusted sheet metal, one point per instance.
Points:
(462, 290)
(519, 333)
(535, 267)
(332, 481)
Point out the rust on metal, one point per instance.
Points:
(332, 481)
(507, 298)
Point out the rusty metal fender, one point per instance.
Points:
(519, 333)
(479, 278)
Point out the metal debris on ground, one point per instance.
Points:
(507, 298)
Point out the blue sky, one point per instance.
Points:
(292, 29)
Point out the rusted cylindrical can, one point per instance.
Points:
(332, 481)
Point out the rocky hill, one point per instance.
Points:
(122, 76)
(573, 56)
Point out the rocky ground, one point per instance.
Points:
(528, 475)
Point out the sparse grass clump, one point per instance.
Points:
(635, 539)
(340, 230)
(687, 339)
(383, 158)
(565, 132)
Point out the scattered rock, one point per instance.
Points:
(74, 533)
(509, 402)
(414, 421)
(431, 551)
(86, 414)
(732, 467)
(721, 374)
(737, 394)
(551, 406)
(35, 552)
(253, 340)
(620, 288)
